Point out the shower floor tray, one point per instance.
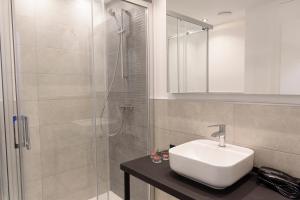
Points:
(112, 196)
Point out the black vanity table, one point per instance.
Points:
(163, 178)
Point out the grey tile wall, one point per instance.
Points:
(132, 142)
(271, 130)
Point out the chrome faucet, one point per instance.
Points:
(221, 134)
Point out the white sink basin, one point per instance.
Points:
(205, 162)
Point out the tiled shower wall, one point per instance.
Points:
(132, 141)
(53, 54)
(272, 131)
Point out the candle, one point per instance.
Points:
(156, 158)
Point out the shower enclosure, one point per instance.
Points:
(74, 77)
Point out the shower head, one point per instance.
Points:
(111, 12)
(123, 22)
(126, 19)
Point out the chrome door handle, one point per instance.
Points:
(16, 144)
(27, 142)
(24, 132)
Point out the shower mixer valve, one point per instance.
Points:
(127, 108)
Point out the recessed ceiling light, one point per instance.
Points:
(204, 20)
(225, 13)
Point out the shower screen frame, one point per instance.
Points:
(10, 172)
(149, 59)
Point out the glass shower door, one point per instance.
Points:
(63, 143)
(54, 116)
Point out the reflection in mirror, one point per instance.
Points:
(272, 48)
(253, 47)
(173, 74)
(187, 55)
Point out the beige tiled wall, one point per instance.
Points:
(273, 131)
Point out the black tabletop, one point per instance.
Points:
(163, 178)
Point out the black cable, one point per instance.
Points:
(281, 182)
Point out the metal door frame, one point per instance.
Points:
(4, 194)
(10, 187)
(149, 68)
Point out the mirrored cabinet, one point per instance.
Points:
(238, 47)
(187, 43)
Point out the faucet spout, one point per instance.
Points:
(221, 134)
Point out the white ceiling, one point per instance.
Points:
(209, 9)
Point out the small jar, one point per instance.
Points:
(152, 154)
(156, 159)
(165, 155)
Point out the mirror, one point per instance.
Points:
(187, 43)
(244, 46)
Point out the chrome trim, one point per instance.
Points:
(149, 61)
(4, 187)
(189, 19)
(27, 142)
(207, 62)
(11, 183)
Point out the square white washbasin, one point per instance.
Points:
(206, 162)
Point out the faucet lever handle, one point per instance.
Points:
(222, 127)
(217, 125)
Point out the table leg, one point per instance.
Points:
(126, 186)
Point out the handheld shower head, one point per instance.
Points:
(111, 12)
(122, 21)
